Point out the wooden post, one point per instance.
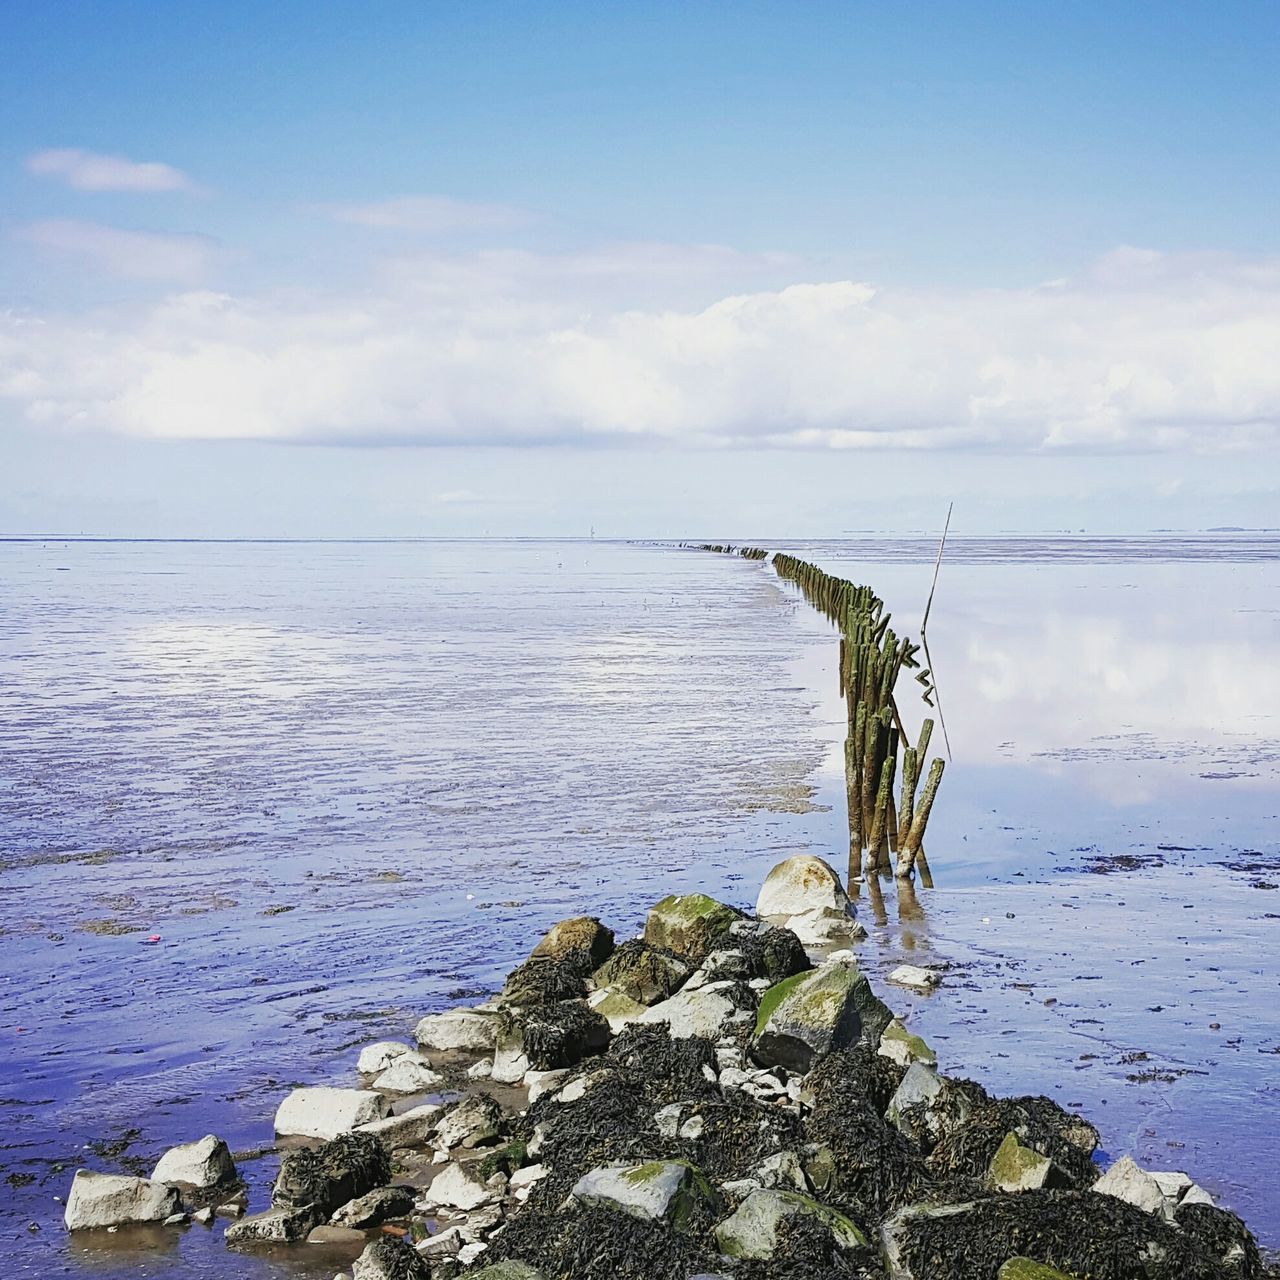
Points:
(915, 837)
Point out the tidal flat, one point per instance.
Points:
(264, 803)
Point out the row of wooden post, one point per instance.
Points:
(884, 836)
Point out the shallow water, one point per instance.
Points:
(344, 783)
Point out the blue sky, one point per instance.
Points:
(675, 262)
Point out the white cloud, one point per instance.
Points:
(1142, 352)
(92, 171)
(432, 215)
(139, 255)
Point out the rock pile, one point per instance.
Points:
(703, 1101)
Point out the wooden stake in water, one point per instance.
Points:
(915, 837)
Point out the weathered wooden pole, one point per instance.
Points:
(915, 837)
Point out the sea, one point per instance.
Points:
(262, 802)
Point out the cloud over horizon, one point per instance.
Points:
(164, 256)
(1143, 352)
(94, 171)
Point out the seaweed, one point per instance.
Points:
(329, 1175)
(542, 980)
(1079, 1232)
(1222, 1235)
(556, 1035)
(1038, 1122)
(395, 1259)
(593, 1242)
(665, 1069)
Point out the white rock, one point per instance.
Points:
(444, 1244)
(112, 1200)
(470, 1252)
(705, 1012)
(667, 1119)
(378, 1057)
(410, 1073)
(575, 1089)
(510, 1065)
(527, 1176)
(460, 1187)
(653, 1192)
(824, 927)
(540, 1082)
(1196, 1194)
(204, 1163)
(918, 979)
(692, 1128)
(481, 1070)
(783, 1172)
(800, 884)
(458, 1031)
(1126, 1181)
(1172, 1184)
(323, 1112)
(409, 1129)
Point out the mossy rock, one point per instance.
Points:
(752, 1231)
(689, 924)
(643, 973)
(1018, 1168)
(815, 1013)
(1026, 1269)
(670, 1191)
(581, 933)
(900, 1046)
(509, 1270)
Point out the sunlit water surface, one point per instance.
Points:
(343, 785)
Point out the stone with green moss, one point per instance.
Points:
(582, 933)
(508, 1270)
(752, 1231)
(643, 973)
(814, 1013)
(898, 1044)
(1026, 1269)
(689, 924)
(670, 1191)
(1018, 1168)
(617, 1008)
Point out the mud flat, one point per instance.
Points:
(714, 1098)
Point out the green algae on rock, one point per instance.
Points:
(689, 924)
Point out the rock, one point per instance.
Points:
(444, 1244)
(324, 1234)
(1025, 1269)
(1224, 1238)
(391, 1258)
(201, 1164)
(408, 1129)
(462, 1031)
(507, 1270)
(800, 884)
(472, 1120)
(752, 1231)
(615, 1007)
(482, 1070)
(230, 1208)
(824, 927)
(688, 924)
(409, 1073)
(926, 1105)
(378, 1057)
(705, 1012)
(546, 1037)
(1196, 1194)
(900, 1046)
(1127, 1182)
(528, 1176)
(814, 1013)
(275, 1226)
(781, 1171)
(177, 1220)
(643, 973)
(113, 1200)
(460, 1186)
(669, 1191)
(757, 951)
(382, 1204)
(1079, 1233)
(542, 1082)
(323, 1112)
(582, 933)
(203, 1216)
(918, 979)
(1018, 1168)
(328, 1176)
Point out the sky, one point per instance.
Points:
(653, 270)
